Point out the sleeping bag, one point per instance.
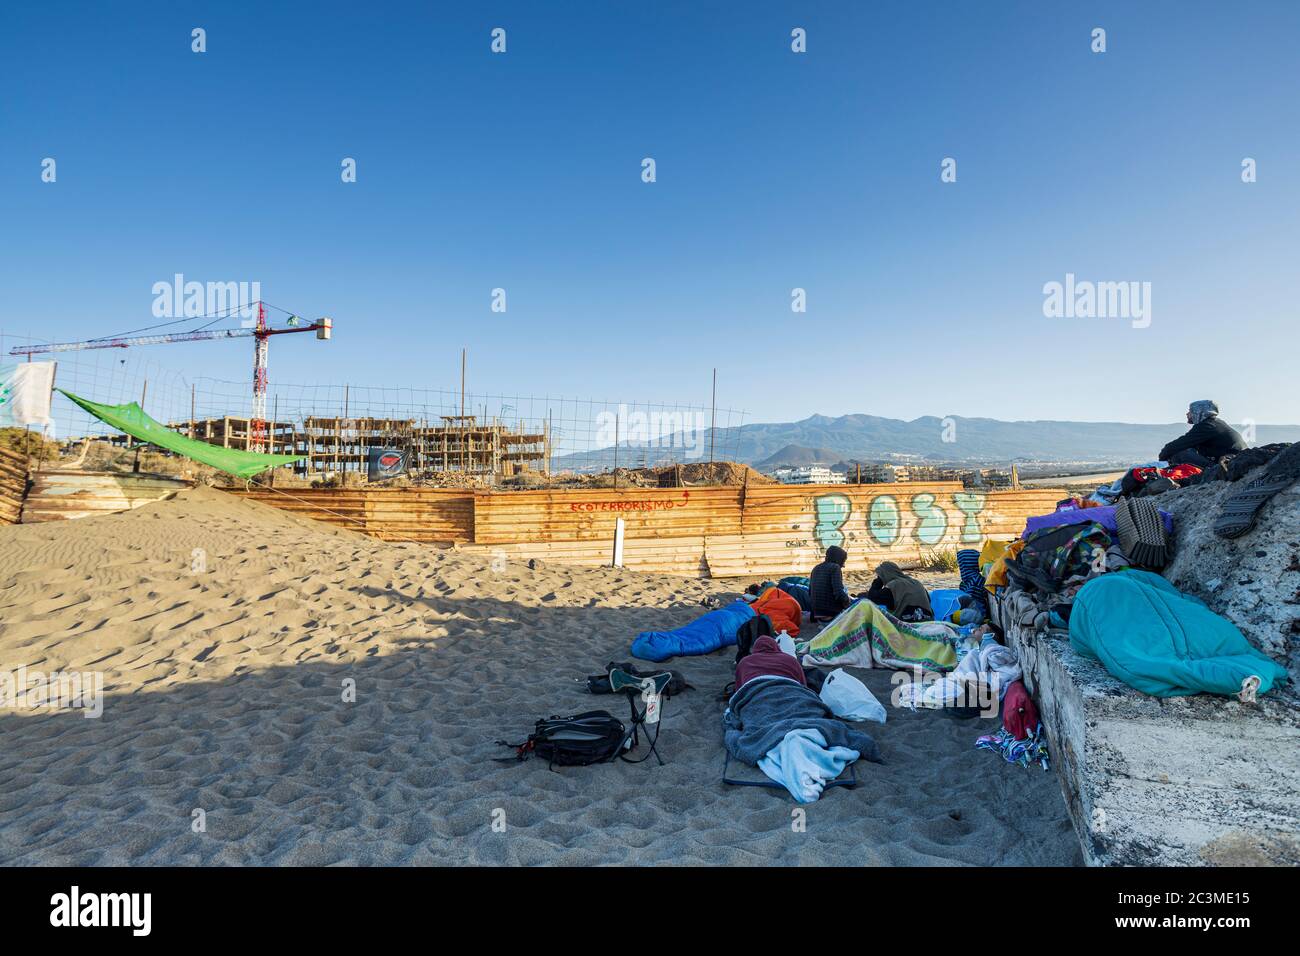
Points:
(783, 610)
(704, 635)
(1165, 643)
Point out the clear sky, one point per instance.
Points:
(775, 170)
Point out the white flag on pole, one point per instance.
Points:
(25, 391)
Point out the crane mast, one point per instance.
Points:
(257, 431)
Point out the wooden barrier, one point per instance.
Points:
(767, 530)
(13, 485)
(62, 495)
(787, 528)
(426, 515)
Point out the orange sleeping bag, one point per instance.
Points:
(784, 610)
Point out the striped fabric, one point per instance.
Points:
(972, 582)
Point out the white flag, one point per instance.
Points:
(25, 391)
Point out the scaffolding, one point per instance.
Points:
(336, 445)
(333, 426)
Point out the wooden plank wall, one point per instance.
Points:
(426, 515)
(666, 528)
(767, 530)
(13, 485)
(63, 495)
(786, 529)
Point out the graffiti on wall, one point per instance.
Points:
(886, 517)
(621, 504)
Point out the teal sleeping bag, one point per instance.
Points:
(1165, 643)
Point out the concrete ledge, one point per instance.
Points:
(1179, 781)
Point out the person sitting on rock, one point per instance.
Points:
(1209, 439)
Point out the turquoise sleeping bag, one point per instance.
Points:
(1165, 643)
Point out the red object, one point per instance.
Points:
(1019, 715)
(1177, 473)
(1180, 473)
(784, 610)
(767, 658)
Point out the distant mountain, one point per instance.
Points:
(982, 441)
(794, 455)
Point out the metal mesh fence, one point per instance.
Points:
(580, 435)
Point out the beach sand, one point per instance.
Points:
(224, 678)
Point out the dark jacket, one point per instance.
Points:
(826, 592)
(906, 594)
(1212, 438)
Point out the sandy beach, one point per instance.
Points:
(228, 632)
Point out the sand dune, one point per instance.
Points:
(226, 630)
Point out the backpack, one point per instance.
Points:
(599, 683)
(760, 625)
(596, 736)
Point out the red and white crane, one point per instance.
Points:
(261, 333)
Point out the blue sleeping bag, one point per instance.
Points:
(704, 635)
(944, 601)
(1165, 643)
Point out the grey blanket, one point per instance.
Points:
(765, 709)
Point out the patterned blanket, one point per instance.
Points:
(865, 636)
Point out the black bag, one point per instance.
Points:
(596, 736)
(760, 625)
(599, 683)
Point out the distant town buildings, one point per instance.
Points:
(875, 474)
(808, 475)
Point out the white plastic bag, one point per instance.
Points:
(786, 643)
(849, 698)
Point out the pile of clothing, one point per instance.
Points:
(1080, 573)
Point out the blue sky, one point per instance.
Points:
(775, 170)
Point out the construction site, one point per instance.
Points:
(447, 437)
(338, 445)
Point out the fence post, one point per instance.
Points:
(713, 423)
(619, 528)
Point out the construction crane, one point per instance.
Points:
(261, 333)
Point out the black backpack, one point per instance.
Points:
(760, 625)
(596, 736)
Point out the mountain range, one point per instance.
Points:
(821, 439)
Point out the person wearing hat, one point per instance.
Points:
(1209, 439)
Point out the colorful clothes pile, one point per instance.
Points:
(1031, 750)
(1053, 556)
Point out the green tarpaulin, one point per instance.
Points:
(131, 419)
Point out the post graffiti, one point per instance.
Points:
(885, 518)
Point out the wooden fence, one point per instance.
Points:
(707, 532)
(13, 485)
(426, 515)
(64, 495)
